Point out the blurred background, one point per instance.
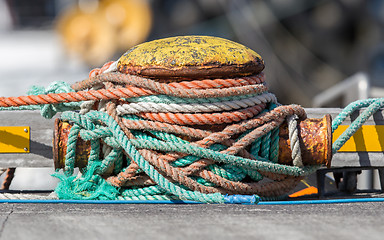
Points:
(318, 53)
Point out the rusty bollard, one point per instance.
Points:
(315, 137)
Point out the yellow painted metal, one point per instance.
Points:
(15, 139)
(189, 51)
(369, 138)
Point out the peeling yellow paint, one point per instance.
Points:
(369, 138)
(14, 139)
(183, 51)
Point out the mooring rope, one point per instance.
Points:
(294, 141)
(148, 140)
(152, 147)
(212, 140)
(371, 106)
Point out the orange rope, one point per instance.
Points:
(97, 71)
(163, 88)
(55, 98)
(140, 87)
(204, 118)
(219, 83)
(166, 127)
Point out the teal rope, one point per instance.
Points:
(187, 160)
(145, 191)
(224, 158)
(155, 144)
(373, 105)
(71, 150)
(274, 155)
(141, 162)
(160, 141)
(348, 110)
(113, 157)
(90, 185)
(233, 168)
(227, 171)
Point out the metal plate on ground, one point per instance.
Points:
(41, 132)
(14, 139)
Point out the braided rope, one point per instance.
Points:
(23, 196)
(220, 83)
(204, 118)
(372, 106)
(194, 140)
(294, 141)
(132, 108)
(10, 173)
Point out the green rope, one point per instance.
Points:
(95, 126)
(99, 125)
(372, 106)
(141, 162)
(90, 186)
(182, 147)
(230, 167)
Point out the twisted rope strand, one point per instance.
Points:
(219, 83)
(204, 118)
(162, 88)
(294, 141)
(156, 126)
(132, 108)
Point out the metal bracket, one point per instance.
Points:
(15, 139)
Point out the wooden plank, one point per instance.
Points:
(40, 154)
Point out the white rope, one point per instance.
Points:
(112, 67)
(132, 108)
(294, 141)
(86, 106)
(22, 196)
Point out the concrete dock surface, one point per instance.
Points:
(195, 221)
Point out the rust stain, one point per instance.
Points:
(315, 138)
(60, 140)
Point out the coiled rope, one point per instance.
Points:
(213, 140)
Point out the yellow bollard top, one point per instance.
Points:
(191, 57)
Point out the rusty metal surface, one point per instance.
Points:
(315, 138)
(60, 141)
(42, 131)
(314, 134)
(191, 57)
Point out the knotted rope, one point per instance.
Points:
(211, 140)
